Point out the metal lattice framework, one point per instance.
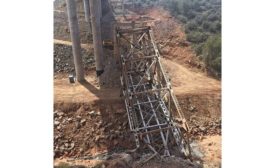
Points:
(149, 98)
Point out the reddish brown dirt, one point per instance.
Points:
(88, 91)
(186, 81)
(199, 96)
(171, 39)
(103, 131)
(211, 148)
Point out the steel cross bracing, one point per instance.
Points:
(149, 98)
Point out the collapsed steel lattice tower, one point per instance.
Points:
(149, 98)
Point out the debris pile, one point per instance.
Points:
(78, 133)
(203, 127)
(63, 58)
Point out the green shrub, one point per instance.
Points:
(191, 26)
(199, 19)
(212, 53)
(198, 48)
(196, 37)
(206, 25)
(182, 18)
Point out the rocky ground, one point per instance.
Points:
(96, 134)
(93, 135)
(202, 128)
(86, 130)
(63, 58)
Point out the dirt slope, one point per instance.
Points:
(199, 95)
(186, 81)
(171, 39)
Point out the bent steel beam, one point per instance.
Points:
(149, 99)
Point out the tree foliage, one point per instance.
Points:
(212, 53)
(202, 25)
(202, 22)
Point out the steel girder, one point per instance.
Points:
(149, 98)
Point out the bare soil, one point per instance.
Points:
(105, 129)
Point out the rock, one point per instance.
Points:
(56, 123)
(97, 138)
(56, 137)
(109, 125)
(83, 121)
(77, 125)
(99, 124)
(92, 113)
(60, 113)
(69, 120)
(64, 121)
(202, 129)
(192, 108)
(62, 148)
(58, 128)
(115, 142)
(55, 113)
(66, 145)
(72, 145)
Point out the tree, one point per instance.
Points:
(212, 53)
(196, 37)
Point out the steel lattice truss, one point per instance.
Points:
(149, 98)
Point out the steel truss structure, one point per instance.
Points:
(149, 98)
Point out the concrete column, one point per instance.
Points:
(74, 31)
(99, 9)
(97, 41)
(87, 14)
(123, 9)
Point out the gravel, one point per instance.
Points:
(63, 60)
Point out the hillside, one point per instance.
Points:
(80, 108)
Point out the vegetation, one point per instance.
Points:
(202, 25)
(212, 54)
(202, 20)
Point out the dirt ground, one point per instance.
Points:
(89, 121)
